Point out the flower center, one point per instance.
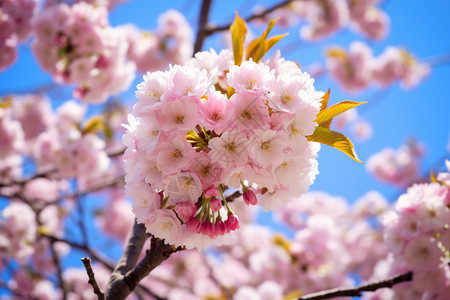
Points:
(231, 147)
(251, 84)
(177, 154)
(266, 147)
(179, 119)
(286, 99)
(246, 114)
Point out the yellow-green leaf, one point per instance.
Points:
(433, 177)
(293, 295)
(230, 91)
(272, 41)
(238, 32)
(43, 230)
(94, 124)
(324, 101)
(325, 116)
(336, 52)
(6, 102)
(255, 49)
(334, 139)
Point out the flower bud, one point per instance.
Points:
(215, 204)
(194, 225)
(250, 197)
(232, 223)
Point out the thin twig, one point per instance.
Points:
(202, 22)
(84, 248)
(210, 29)
(92, 281)
(80, 221)
(356, 291)
(57, 263)
(109, 182)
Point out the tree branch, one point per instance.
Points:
(210, 29)
(356, 292)
(58, 267)
(127, 274)
(92, 281)
(84, 248)
(202, 33)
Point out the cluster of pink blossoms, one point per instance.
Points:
(171, 42)
(109, 4)
(15, 16)
(418, 236)
(77, 45)
(262, 264)
(398, 167)
(358, 68)
(328, 16)
(188, 143)
(58, 142)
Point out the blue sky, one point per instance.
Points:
(399, 114)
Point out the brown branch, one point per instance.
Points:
(356, 291)
(127, 274)
(58, 267)
(202, 23)
(84, 248)
(210, 29)
(92, 281)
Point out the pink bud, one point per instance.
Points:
(102, 62)
(220, 228)
(232, 223)
(161, 196)
(80, 92)
(211, 192)
(194, 225)
(250, 197)
(208, 229)
(215, 204)
(185, 210)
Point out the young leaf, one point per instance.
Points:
(259, 46)
(324, 100)
(334, 139)
(255, 49)
(433, 177)
(238, 32)
(94, 124)
(336, 52)
(325, 116)
(272, 41)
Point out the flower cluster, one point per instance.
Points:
(328, 16)
(15, 16)
(398, 167)
(110, 4)
(171, 42)
(262, 264)
(358, 68)
(78, 46)
(69, 149)
(58, 142)
(189, 140)
(418, 235)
